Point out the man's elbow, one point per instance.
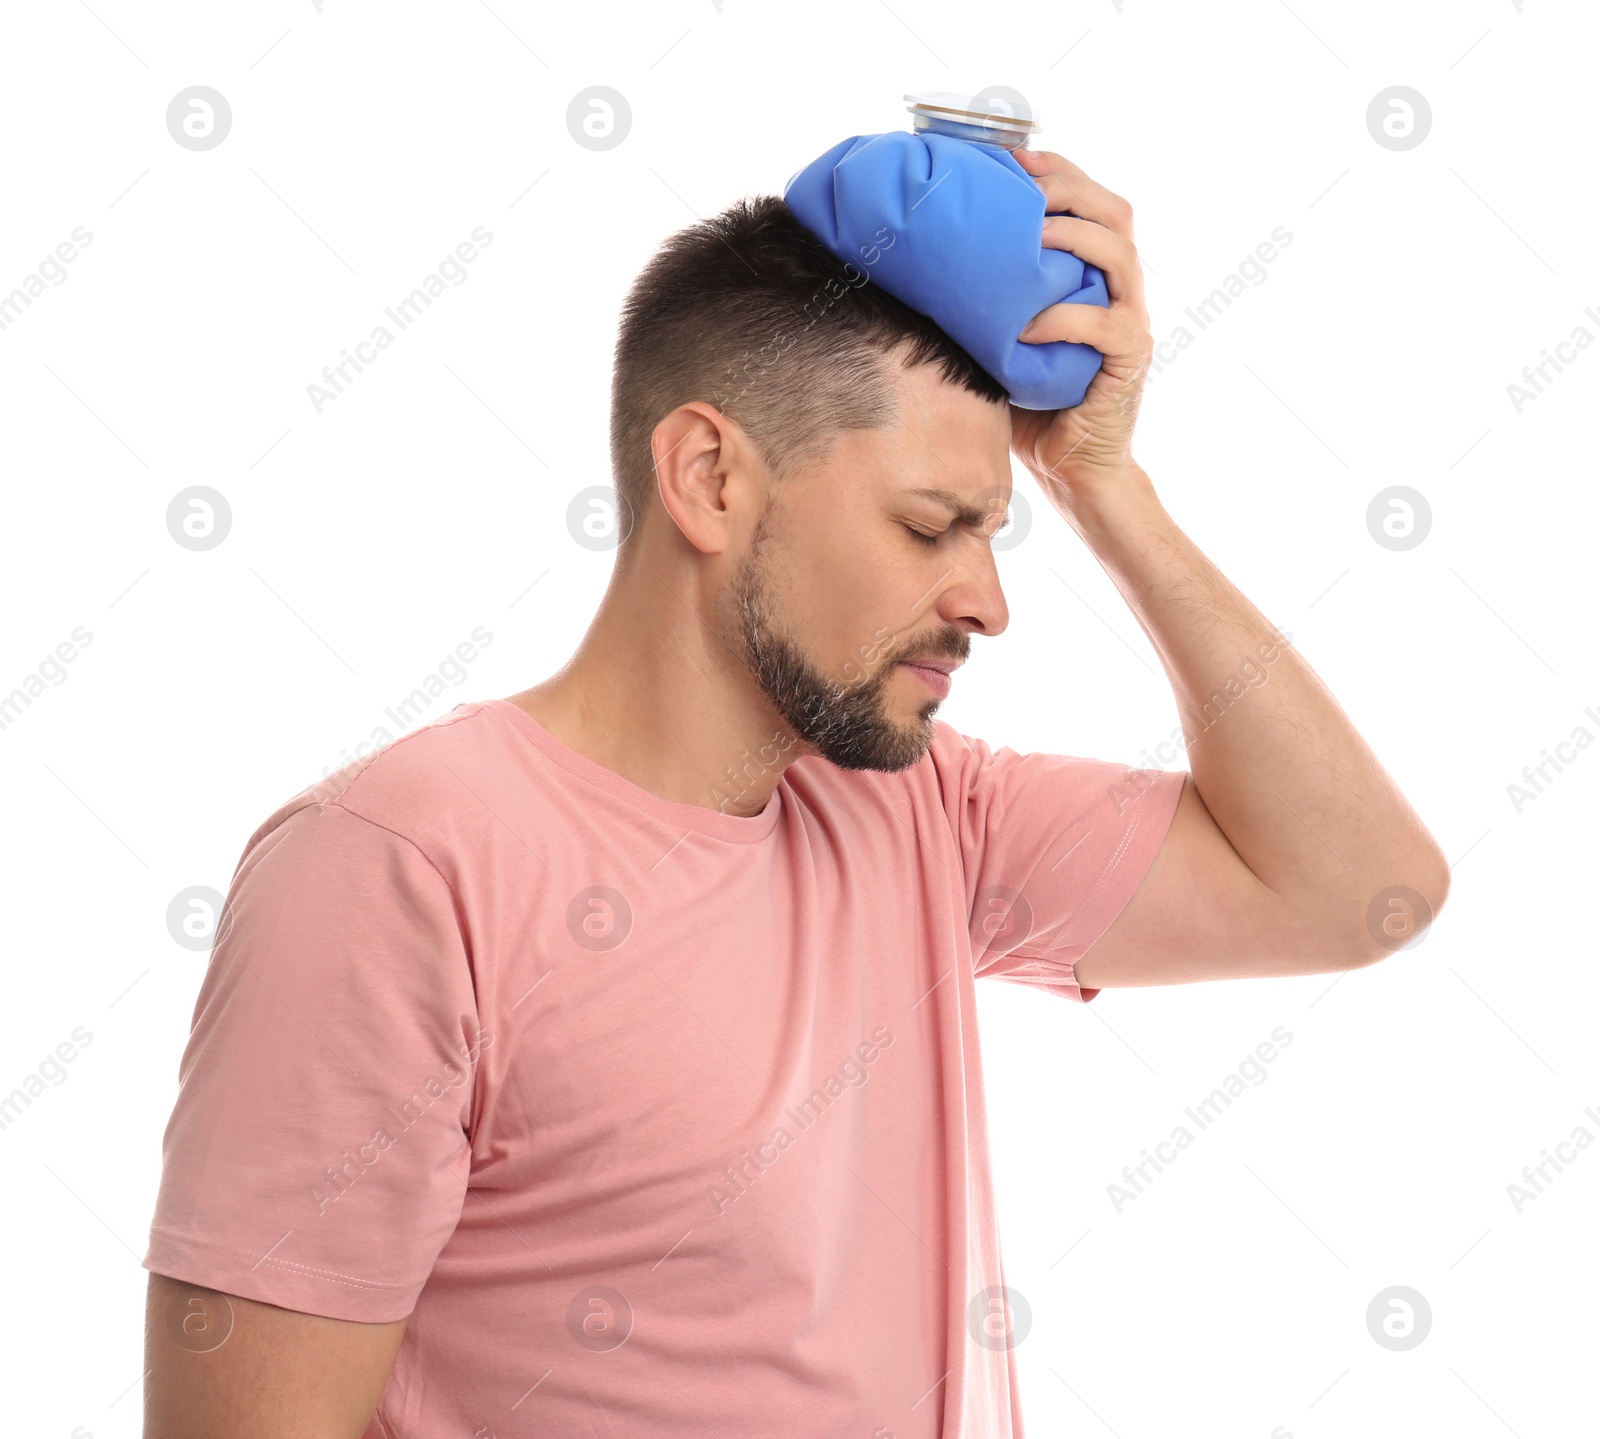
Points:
(1398, 915)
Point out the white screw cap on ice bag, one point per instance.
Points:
(996, 116)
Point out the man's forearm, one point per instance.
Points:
(1287, 778)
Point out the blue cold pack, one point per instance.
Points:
(952, 229)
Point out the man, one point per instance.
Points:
(602, 1060)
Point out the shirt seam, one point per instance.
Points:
(462, 929)
(175, 1236)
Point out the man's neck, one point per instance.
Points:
(670, 746)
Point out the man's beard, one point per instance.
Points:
(845, 719)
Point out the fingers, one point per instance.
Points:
(1112, 332)
(1101, 248)
(1068, 190)
(1095, 224)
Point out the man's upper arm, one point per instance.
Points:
(1085, 875)
(319, 1148)
(1052, 846)
(1200, 913)
(221, 1364)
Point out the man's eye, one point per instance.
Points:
(926, 539)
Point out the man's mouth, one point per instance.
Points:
(933, 673)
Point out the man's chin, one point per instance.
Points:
(889, 750)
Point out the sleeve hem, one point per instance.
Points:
(1069, 988)
(281, 1283)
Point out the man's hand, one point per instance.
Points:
(1073, 453)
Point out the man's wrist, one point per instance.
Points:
(1103, 504)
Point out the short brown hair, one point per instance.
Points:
(748, 311)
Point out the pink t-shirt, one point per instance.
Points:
(656, 1120)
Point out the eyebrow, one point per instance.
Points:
(964, 513)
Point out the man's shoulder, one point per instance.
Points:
(408, 786)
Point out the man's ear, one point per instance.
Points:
(704, 474)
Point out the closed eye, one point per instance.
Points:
(925, 539)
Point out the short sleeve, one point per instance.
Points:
(318, 1152)
(1053, 848)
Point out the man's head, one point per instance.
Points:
(774, 416)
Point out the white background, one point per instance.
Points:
(369, 540)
